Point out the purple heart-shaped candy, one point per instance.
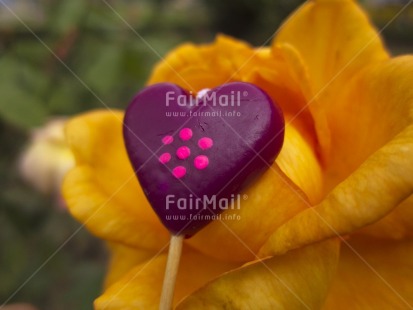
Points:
(193, 156)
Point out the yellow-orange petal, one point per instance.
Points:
(298, 161)
(335, 40)
(104, 216)
(382, 182)
(396, 225)
(122, 259)
(141, 287)
(205, 66)
(282, 74)
(379, 98)
(102, 190)
(297, 280)
(370, 110)
(332, 37)
(266, 204)
(373, 275)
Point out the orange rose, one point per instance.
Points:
(332, 216)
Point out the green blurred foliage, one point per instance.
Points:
(66, 57)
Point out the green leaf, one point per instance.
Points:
(104, 71)
(69, 14)
(19, 104)
(64, 98)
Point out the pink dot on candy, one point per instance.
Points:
(164, 158)
(201, 162)
(185, 134)
(205, 143)
(178, 172)
(167, 140)
(183, 152)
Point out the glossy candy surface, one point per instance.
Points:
(192, 156)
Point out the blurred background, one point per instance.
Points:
(107, 50)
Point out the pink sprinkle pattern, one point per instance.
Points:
(183, 152)
(164, 158)
(167, 140)
(201, 162)
(179, 172)
(205, 143)
(185, 134)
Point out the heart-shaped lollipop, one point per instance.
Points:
(192, 156)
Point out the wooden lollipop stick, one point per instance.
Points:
(172, 265)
